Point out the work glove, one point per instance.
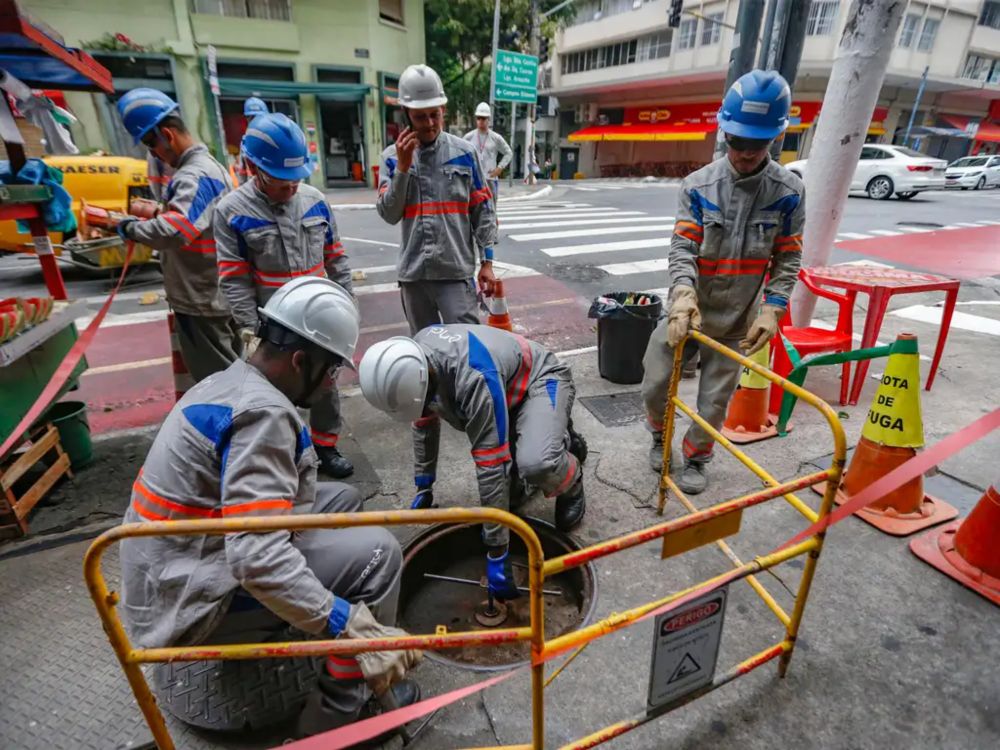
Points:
(763, 329)
(250, 342)
(382, 669)
(123, 227)
(500, 577)
(683, 316)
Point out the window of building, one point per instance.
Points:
(269, 10)
(261, 71)
(990, 15)
(391, 10)
(822, 15)
(981, 68)
(689, 33)
(711, 29)
(927, 34)
(911, 23)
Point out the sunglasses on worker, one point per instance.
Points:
(151, 138)
(738, 143)
(273, 182)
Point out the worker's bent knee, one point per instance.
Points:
(536, 470)
(337, 497)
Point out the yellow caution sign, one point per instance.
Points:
(750, 379)
(894, 417)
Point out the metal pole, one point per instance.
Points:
(529, 111)
(744, 50)
(855, 81)
(794, 40)
(493, 59)
(916, 104)
(513, 141)
(765, 43)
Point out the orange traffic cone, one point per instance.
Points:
(892, 432)
(499, 316)
(969, 550)
(748, 420)
(182, 378)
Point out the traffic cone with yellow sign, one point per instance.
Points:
(747, 419)
(892, 433)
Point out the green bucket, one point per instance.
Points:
(70, 418)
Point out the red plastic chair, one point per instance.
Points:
(812, 340)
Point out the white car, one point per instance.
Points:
(885, 170)
(976, 172)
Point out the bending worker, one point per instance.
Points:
(235, 447)
(252, 108)
(489, 145)
(739, 228)
(273, 229)
(182, 233)
(512, 398)
(433, 182)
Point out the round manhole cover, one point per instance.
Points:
(427, 600)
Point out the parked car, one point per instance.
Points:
(976, 172)
(884, 171)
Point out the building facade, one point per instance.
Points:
(331, 65)
(637, 97)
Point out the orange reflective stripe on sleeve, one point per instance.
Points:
(233, 267)
(333, 251)
(179, 222)
(515, 394)
(151, 506)
(689, 230)
(279, 278)
(788, 243)
(492, 456)
(238, 509)
(478, 196)
(201, 245)
(732, 266)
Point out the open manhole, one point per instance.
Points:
(458, 552)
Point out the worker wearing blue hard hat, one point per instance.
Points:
(253, 107)
(273, 229)
(182, 230)
(738, 233)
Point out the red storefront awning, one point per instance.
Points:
(988, 131)
(645, 132)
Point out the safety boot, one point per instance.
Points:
(321, 712)
(693, 479)
(577, 444)
(570, 506)
(656, 455)
(332, 463)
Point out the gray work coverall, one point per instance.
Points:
(507, 394)
(489, 147)
(182, 233)
(263, 245)
(448, 221)
(233, 447)
(731, 233)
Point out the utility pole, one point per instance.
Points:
(794, 32)
(916, 105)
(529, 123)
(744, 49)
(851, 94)
(493, 59)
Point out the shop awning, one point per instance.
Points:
(943, 132)
(988, 131)
(960, 122)
(339, 92)
(651, 132)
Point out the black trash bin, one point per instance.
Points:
(625, 321)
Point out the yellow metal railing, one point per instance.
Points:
(689, 531)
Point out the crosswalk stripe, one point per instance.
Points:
(375, 288)
(603, 247)
(384, 243)
(952, 226)
(966, 224)
(885, 232)
(990, 221)
(961, 320)
(916, 230)
(584, 220)
(590, 232)
(560, 211)
(544, 207)
(374, 269)
(854, 235)
(582, 216)
(640, 266)
(588, 189)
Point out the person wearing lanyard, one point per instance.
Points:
(489, 144)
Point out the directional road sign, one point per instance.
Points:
(516, 77)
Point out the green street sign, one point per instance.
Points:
(516, 77)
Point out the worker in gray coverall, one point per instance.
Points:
(739, 228)
(182, 231)
(510, 396)
(273, 229)
(235, 447)
(494, 153)
(433, 182)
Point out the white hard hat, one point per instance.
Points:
(483, 110)
(420, 87)
(319, 311)
(394, 378)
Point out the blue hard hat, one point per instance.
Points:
(254, 106)
(275, 144)
(756, 106)
(143, 109)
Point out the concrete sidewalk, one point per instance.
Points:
(891, 653)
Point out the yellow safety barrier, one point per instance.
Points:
(695, 529)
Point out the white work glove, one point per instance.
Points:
(250, 342)
(382, 669)
(683, 316)
(763, 329)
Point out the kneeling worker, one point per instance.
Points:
(234, 447)
(739, 228)
(512, 398)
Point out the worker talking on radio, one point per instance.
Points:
(738, 230)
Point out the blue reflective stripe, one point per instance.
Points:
(468, 160)
(488, 253)
(698, 205)
(215, 423)
(481, 361)
(302, 443)
(208, 190)
(774, 299)
(320, 209)
(786, 206)
(240, 224)
(339, 616)
(552, 387)
(390, 163)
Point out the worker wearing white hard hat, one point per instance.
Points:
(490, 146)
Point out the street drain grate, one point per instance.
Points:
(616, 409)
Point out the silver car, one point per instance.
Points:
(976, 172)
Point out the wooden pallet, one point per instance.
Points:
(41, 443)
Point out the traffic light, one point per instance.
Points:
(543, 49)
(674, 14)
